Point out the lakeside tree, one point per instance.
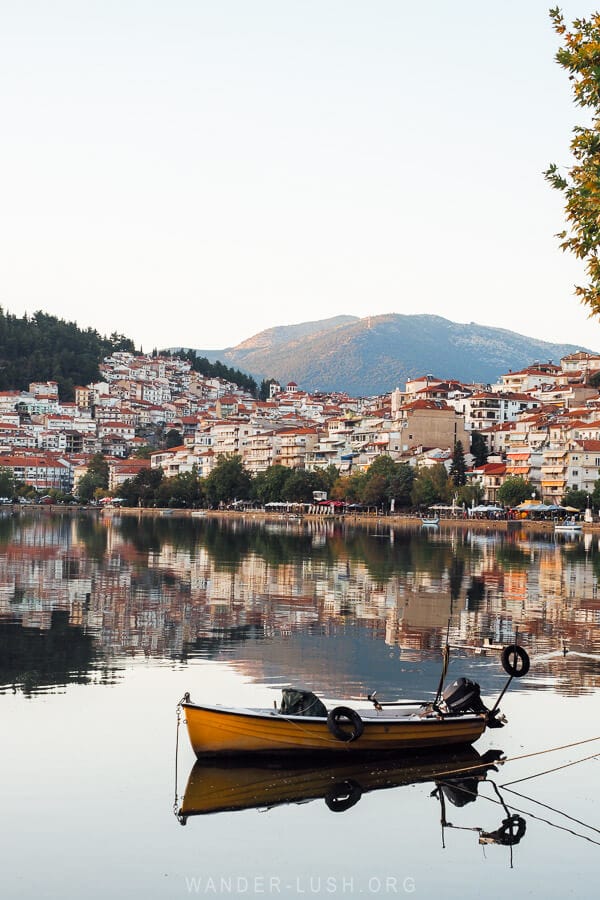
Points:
(95, 479)
(267, 486)
(229, 480)
(7, 482)
(400, 485)
(348, 487)
(183, 490)
(515, 490)
(384, 481)
(431, 485)
(301, 484)
(470, 495)
(579, 56)
(142, 490)
(575, 498)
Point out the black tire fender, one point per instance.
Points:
(512, 830)
(515, 661)
(345, 724)
(342, 795)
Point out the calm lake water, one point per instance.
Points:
(105, 622)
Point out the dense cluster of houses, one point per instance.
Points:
(542, 423)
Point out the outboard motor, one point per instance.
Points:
(463, 695)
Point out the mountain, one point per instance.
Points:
(376, 354)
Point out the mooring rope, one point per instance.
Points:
(575, 762)
(552, 809)
(506, 759)
(554, 749)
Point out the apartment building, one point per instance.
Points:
(294, 444)
(431, 423)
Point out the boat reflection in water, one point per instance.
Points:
(229, 786)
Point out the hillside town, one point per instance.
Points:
(541, 423)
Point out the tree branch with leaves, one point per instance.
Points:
(579, 55)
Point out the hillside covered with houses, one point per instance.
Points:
(540, 424)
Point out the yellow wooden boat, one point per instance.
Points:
(302, 725)
(215, 730)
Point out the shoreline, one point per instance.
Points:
(393, 520)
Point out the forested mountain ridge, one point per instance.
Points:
(41, 347)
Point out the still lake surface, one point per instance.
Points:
(105, 622)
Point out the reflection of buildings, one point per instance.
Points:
(168, 588)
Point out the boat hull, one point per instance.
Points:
(219, 731)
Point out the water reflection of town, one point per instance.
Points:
(92, 590)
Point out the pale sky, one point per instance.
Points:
(194, 171)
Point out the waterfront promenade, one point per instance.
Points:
(362, 518)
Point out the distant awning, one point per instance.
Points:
(528, 506)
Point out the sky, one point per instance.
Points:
(192, 172)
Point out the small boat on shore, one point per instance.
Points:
(431, 521)
(569, 525)
(303, 725)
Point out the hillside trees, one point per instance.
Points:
(173, 438)
(217, 369)
(479, 449)
(44, 348)
(265, 388)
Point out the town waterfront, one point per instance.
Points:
(107, 619)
